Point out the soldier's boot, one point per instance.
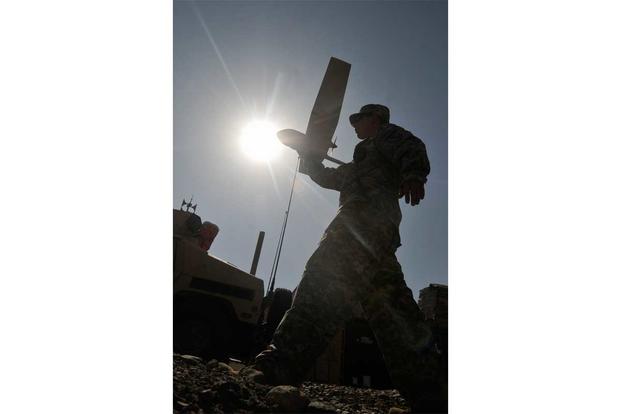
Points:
(270, 368)
(431, 394)
(424, 384)
(429, 398)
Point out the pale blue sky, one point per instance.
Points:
(237, 61)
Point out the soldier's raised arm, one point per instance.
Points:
(326, 177)
(408, 153)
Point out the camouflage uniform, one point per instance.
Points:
(356, 263)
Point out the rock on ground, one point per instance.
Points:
(287, 399)
(205, 387)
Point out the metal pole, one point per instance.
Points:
(257, 253)
(282, 233)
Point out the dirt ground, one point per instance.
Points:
(215, 387)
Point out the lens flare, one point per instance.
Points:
(259, 141)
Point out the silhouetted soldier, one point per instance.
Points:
(356, 262)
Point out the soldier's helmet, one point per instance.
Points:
(382, 112)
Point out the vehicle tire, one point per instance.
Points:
(192, 336)
(207, 337)
(280, 303)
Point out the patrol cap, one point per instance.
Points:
(381, 111)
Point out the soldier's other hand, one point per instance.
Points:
(413, 190)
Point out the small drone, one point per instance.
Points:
(324, 116)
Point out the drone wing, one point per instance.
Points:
(327, 108)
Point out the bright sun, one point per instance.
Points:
(259, 141)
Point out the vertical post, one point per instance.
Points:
(257, 253)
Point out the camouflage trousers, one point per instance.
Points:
(355, 263)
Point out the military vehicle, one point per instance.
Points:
(219, 310)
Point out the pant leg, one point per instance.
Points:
(403, 338)
(327, 293)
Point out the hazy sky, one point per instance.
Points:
(238, 61)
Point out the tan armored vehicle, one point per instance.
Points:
(219, 310)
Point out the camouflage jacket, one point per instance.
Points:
(372, 180)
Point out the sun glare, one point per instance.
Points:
(259, 141)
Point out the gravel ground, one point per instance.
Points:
(213, 387)
(350, 400)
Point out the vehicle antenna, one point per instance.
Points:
(190, 206)
(272, 278)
